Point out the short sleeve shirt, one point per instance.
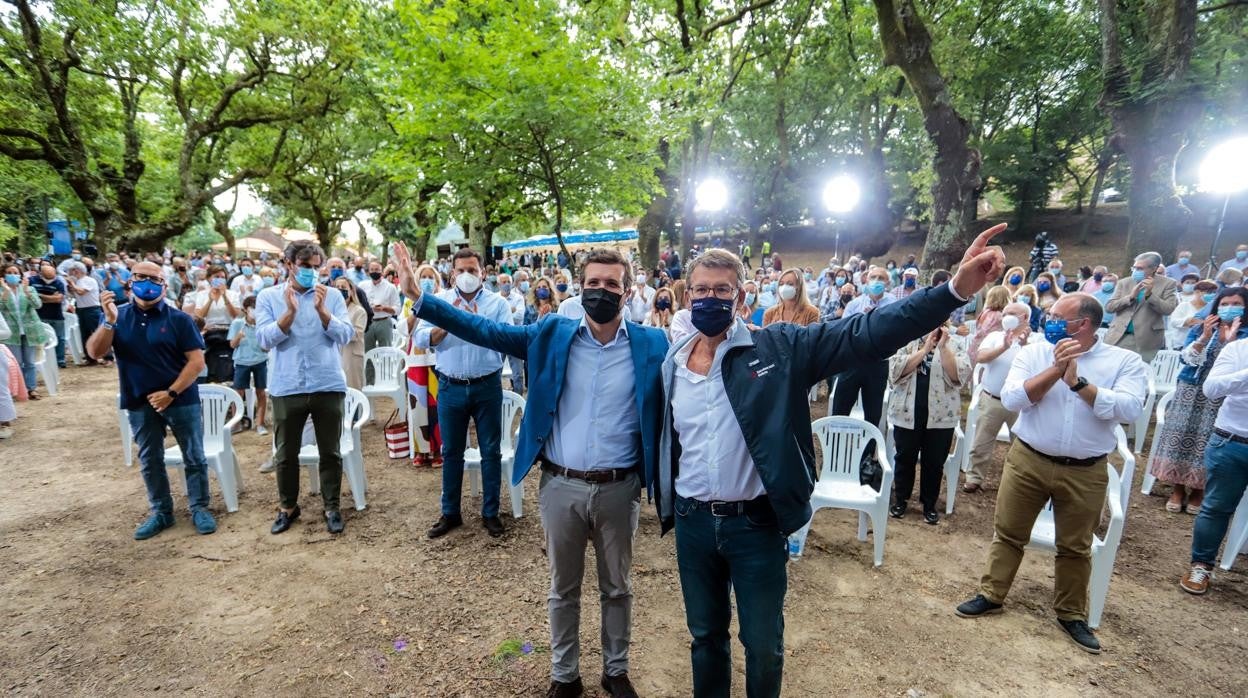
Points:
(150, 346)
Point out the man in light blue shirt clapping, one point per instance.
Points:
(304, 326)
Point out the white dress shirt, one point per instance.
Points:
(995, 371)
(639, 303)
(715, 464)
(1062, 423)
(218, 315)
(516, 301)
(571, 308)
(596, 426)
(381, 293)
(456, 358)
(1229, 379)
(681, 327)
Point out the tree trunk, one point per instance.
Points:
(1103, 162)
(221, 224)
(658, 213)
(907, 45)
(1159, 218)
(324, 235)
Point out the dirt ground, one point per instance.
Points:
(86, 610)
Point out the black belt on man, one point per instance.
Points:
(443, 378)
(1063, 460)
(594, 477)
(379, 319)
(1233, 437)
(994, 397)
(759, 505)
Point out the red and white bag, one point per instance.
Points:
(397, 444)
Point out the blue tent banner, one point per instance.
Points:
(63, 233)
(574, 238)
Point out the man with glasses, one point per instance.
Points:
(1069, 392)
(736, 459)
(1140, 307)
(159, 355)
(592, 423)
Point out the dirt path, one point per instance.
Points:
(86, 610)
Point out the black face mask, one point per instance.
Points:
(601, 305)
(375, 276)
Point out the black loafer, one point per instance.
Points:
(494, 525)
(284, 521)
(333, 521)
(976, 607)
(445, 524)
(1081, 634)
(931, 518)
(618, 686)
(898, 510)
(571, 689)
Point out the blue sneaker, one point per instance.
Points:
(154, 524)
(204, 523)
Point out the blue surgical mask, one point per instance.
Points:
(840, 281)
(1137, 275)
(247, 272)
(1183, 261)
(13, 279)
(1189, 287)
(910, 282)
(875, 288)
(524, 287)
(1055, 331)
(218, 282)
(1016, 279)
(1108, 287)
(426, 285)
(663, 303)
(505, 289)
(1043, 286)
(562, 288)
(305, 277)
(266, 281)
(542, 293)
(146, 290)
(1024, 299)
(1241, 255)
(750, 298)
(76, 257)
(1229, 313)
(1208, 297)
(334, 273)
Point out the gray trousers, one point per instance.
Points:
(991, 415)
(1127, 341)
(517, 375)
(378, 334)
(575, 512)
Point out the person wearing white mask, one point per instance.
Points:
(640, 299)
(996, 353)
(795, 305)
(469, 387)
(515, 300)
(1183, 317)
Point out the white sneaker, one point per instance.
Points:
(267, 466)
(6, 432)
(262, 430)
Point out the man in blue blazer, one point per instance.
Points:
(592, 422)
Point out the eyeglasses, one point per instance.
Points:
(139, 276)
(723, 293)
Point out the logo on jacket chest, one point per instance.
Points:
(756, 372)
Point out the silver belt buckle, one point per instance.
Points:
(722, 509)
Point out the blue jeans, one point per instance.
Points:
(187, 424)
(483, 403)
(1226, 478)
(717, 555)
(26, 355)
(58, 327)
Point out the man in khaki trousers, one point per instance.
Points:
(1069, 393)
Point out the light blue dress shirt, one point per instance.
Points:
(863, 303)
(596, 426)
(457, 358)
(308, 359)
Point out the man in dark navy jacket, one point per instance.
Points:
(592, 423)
(736, 463)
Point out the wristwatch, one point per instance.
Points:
(1080, 384)
(108, 325)
(173, 394)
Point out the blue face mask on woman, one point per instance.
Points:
(542, 293)
(750, 298)
(427, 285)
(562, 288)
(1016, 279)
(1230, 313)
(12, 279)
(840, 281)
(1208, 297)
(1043, 286)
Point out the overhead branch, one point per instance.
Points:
(1223, 6)
(734, 17)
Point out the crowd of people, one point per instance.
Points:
(689, 381)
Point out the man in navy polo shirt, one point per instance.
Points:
(159, 354)
(51, 291)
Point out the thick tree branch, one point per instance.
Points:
(734, 17)
(1223, 6)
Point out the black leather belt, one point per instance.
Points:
(758, 504)
(1233, 437)
(443, 378)
(1064, 460)
(994, 397)
(594, 477)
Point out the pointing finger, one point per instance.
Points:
(985, 237)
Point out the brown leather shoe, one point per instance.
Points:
(618, 686)
(572, 689)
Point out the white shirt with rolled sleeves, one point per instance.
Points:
(308, 358)
(715, 464)
(515, 300)
(459, 359)
(1228, 381)
(639, 302)
(997, 370)
(381, 292)
(1062, 423)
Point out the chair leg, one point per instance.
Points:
(951, 483)
(127, 440)
(314, 478)
(474, 478)
(355, 477)
(225, 480)
(879, 525)
(862, 526)
(1098, 588)
(1237, 536)
(1149, 480)
(517, 491)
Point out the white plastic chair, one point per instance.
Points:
(355, 413)
(972, 424)
(73, 340)
(216, 401)
(388, 376)
(953, 463)
(1104, 550)
(1149, 479)
(843, 440)
(398, 339)
(1237, 536)
(1139, 428)
(513, 406)
(1166, 367)
(46, 362)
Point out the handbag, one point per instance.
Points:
(397, 444)
(870, 471)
